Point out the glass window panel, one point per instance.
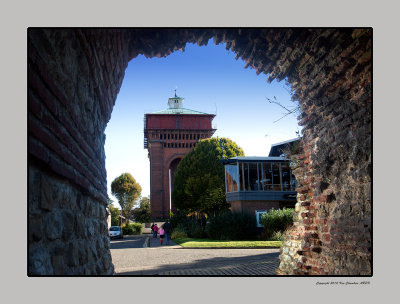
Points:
(232, 178)
(286, 176)
(243, 175)
(276, 177)
(266, 176)
(253, 177)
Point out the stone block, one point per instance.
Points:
(72, 254)
(67, 198)
(39, 262)
(35, 229)
(88, 209)
(90, 228)
(80, 225)
(99, 268)
(82, 253)
(34, 191)
(53, 224)
(81, 202)
(46, 202)
(58, 264)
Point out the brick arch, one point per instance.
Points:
(173, 164)
(74, 76)
(174, 158)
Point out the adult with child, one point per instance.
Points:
(167, 230)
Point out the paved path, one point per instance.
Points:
(142, 255)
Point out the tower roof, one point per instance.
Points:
(175, 106)
(179, 111)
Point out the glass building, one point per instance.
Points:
(257, 184)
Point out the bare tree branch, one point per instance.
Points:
(288, 111)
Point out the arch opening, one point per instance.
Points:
(74, 76)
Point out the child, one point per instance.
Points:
(155, 229)
(161, 232)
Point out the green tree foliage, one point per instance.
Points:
(126, 190)
(142, 214)
(115, 212)
(199, 182)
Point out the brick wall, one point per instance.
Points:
(74, 77)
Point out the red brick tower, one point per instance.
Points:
(169, 135)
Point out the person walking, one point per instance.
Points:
(167, 230)
(155, 229)
(161, 232)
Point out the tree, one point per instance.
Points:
(142, 214)
(126, 190)
(114, 215)
(199, 181)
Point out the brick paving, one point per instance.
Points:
(267, 268)
(152, 259)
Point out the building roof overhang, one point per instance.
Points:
(253, 159)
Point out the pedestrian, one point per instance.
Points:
(167, 230)
(152, 227)
(155, 229)
(161, 232)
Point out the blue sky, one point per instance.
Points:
(210, 80)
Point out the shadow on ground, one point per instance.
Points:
(250, 262)
(127, 242)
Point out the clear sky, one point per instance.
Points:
(210, 80)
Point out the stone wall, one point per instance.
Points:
(67, 229)
(73, 82)
(73, 79)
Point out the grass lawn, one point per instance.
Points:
(207, 243)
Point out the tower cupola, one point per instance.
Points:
(175, 102)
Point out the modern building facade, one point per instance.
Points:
(168, 136)
(258, 184)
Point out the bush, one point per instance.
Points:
(132, 228)
(277, 236)
(179, 232)
(189, 224)
(198, 232)
(231, 226)
(277, 220)
(193, 229)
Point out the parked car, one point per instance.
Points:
(115, 232)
